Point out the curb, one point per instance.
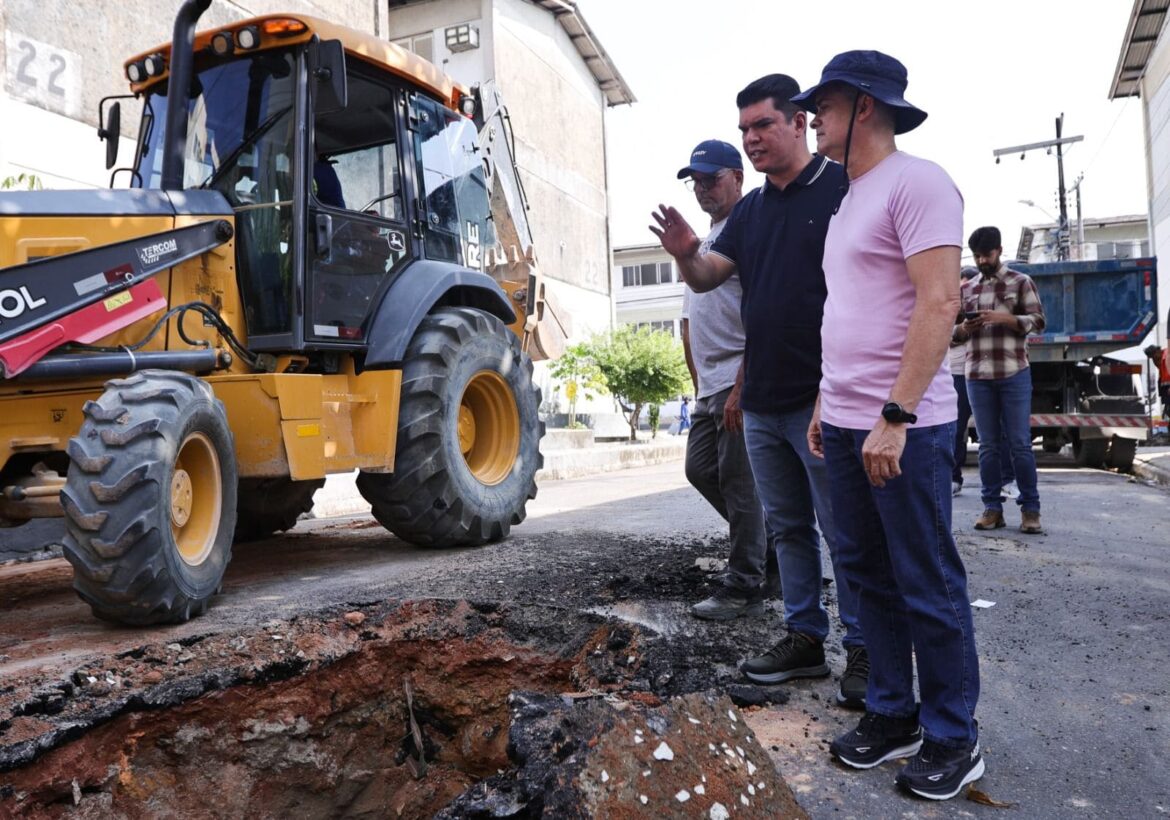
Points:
(340, 496)
(1148, 469)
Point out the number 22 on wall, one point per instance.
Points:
(42, 74)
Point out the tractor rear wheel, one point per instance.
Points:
(268, 505)
(468, 435)
(150, 499)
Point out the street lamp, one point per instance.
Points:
(1032, 204)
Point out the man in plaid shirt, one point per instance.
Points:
(1000, 309)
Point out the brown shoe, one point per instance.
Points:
(1031, 522)
(992, 520)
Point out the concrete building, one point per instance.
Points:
(557, 81)
(1115, 237)
(1143, 69)
(61, 58)
(647, 291)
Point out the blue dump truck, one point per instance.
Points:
(1081, 396)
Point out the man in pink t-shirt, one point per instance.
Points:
(885, 425)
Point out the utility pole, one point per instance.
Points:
(1062, 231)
(1080, 219)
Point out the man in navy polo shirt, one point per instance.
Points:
(774, 239)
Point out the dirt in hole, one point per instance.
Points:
(309, 717)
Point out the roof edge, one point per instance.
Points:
(616, 90)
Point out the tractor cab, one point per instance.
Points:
(339, 174)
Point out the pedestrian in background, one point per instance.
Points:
(885, 426)
(774, 239)
(1001, 307)
(958, 360)
(684, 409)
(713, 341)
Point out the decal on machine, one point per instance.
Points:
(17, 301)
(151, 255)
(474, 259)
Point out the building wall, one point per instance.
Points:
(1120, 238)
(639, 304)
(1155, 95)
(60, 58)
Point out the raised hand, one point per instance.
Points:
(674, 233)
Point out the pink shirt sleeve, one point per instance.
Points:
(927, 209)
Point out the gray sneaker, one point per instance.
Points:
(728, 604)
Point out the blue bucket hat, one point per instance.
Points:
(711, 157)
(873, 73)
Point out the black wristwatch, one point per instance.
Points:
(894, 413)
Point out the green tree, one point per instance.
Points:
(640, 367)
(29, 182)
(577, 371)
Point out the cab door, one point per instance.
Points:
(357, 211)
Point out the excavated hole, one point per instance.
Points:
(323, 728)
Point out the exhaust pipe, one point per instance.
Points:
(182, 65)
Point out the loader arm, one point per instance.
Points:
(513, 262)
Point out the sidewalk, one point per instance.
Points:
(563, 459)
(1153, 464)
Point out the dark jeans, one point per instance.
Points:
(793, 485)
(717, 466)
(897, 551)
(962, 435)
(1002, 409)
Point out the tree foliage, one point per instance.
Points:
(26, 182)
(640, 367)
(577, 371)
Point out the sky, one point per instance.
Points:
(990, 74)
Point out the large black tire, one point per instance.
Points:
(1122, 452)
(268, 505)
(468, 435)
(1090, 452)
(150, 499)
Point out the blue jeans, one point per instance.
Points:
(897, 551)
(962, 434)
(793, 485)
(1003, 407)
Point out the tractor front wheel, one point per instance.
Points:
(150, 499)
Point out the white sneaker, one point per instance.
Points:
(956, 487)
(1010, 490)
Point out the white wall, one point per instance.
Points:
(1155, 94)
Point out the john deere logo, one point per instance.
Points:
(151, 255)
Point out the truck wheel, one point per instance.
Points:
(150, 499)
(268, 505)
(468, 435)
(1121, 454)
(1090, 452)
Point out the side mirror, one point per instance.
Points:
(327, 72)
(111, 132)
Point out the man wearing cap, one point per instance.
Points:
(713, 339)
(885, 424)
(774, 240)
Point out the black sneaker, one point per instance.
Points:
(876, 739)
(796, 656)
(855, 681)
(940, 772)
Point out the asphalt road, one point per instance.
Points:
(1075, 702)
